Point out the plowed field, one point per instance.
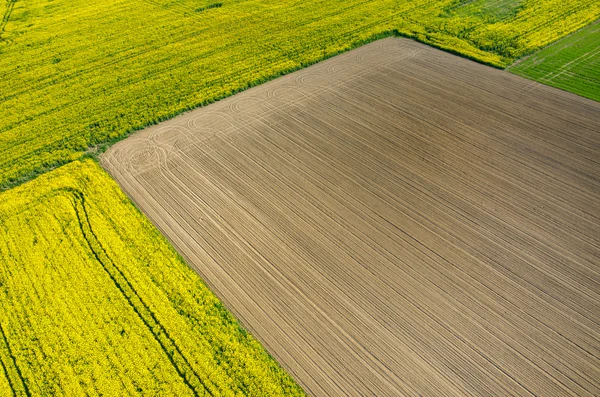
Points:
(394, 220)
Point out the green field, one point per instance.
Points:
(94, 301)
(572, 63)
(79, 74)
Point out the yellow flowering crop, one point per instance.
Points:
(76, 74)
(94, 301)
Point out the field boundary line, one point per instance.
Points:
(552, 44)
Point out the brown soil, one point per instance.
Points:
(395, 220)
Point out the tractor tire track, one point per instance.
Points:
(181, 364)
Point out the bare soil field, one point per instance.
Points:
(393, 221)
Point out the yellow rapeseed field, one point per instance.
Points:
(93, 301)
(77, 74)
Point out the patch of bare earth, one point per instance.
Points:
(395, 220)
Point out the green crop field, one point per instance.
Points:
(93, 301)
(572, 63)
(78, 74)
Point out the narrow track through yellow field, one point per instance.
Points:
(395, 220)
(94, 301)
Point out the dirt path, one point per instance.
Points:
(395, 220)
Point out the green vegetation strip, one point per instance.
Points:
(572, 64)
